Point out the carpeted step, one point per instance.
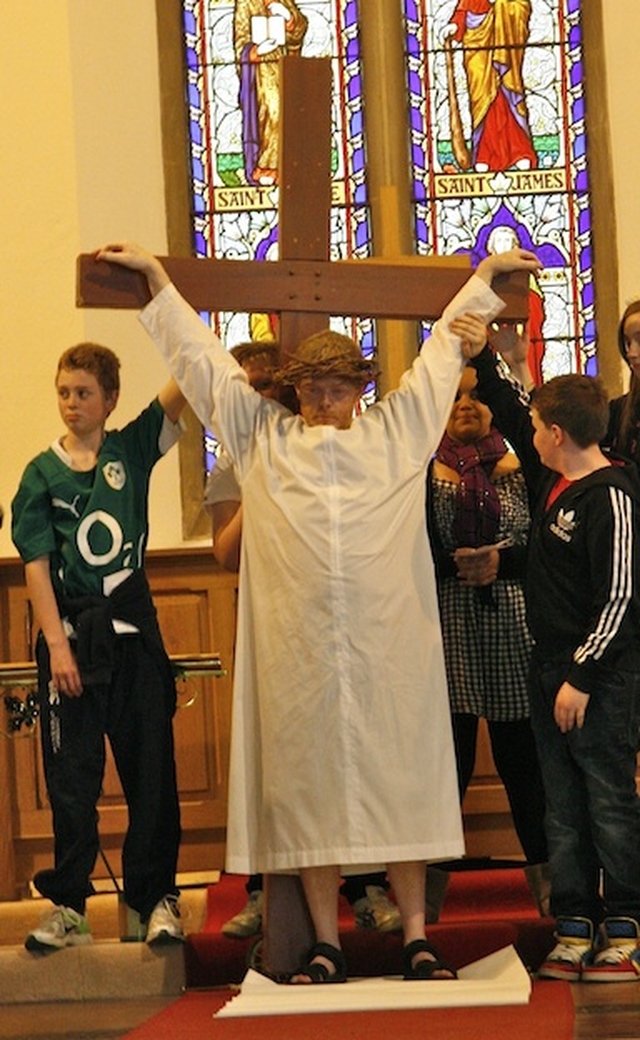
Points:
(487, 893)
(101, 971)
(214, 960)
(484, 910)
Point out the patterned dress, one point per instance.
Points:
(486, 641)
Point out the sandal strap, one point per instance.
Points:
(319, 972)
(331, 953)
(316, 972)
(424, 969)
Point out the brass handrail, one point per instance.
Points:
(23, 675)
(185, 666)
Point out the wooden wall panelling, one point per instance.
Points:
(19, 756)
(196, 604)
(196, 610)
(7, 862)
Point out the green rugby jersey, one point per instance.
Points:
(93, 525)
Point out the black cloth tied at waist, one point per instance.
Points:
(93, 618)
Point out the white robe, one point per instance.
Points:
(341, 748)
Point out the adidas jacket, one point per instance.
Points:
(583, 561)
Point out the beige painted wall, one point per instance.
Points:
(81, 164)
(622, 29)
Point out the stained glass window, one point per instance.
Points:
(232, 52)
(499, 153)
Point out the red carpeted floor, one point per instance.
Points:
(484, 910)
(549, 1014)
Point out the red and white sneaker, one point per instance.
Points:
(619, 961)
(572, 952)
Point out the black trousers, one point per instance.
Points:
(135, 711)
(514, 753)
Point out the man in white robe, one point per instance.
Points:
(342, 756)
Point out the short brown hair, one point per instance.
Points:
(578, 404)
(101, 362)
(267, 350)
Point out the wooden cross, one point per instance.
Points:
(305, 288)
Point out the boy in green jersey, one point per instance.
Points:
(80, 525)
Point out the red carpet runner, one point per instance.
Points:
(484, 910)
(549, 1014)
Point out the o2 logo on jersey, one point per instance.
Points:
(114, 474)
(99, 539)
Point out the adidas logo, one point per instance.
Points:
(564, 525)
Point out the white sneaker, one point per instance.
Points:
(60, 927)
(248, 921)
(165, 925)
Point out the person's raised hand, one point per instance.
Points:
(510, 340)
(504, 263)
(130, 254)
(472, 331)
(512, 343)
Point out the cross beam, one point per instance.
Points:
(409, 287)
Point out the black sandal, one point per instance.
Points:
(320, 972)
(424, 969)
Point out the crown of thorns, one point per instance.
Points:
(327, 353)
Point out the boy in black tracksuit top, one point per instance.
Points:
(583, 610)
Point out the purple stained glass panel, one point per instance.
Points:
(232, 97)
(499, 151)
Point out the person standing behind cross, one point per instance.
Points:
(342, 754)
(223, 502)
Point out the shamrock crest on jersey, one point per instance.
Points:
(114, 474)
